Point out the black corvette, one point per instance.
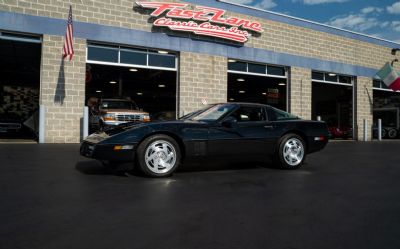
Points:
(232, 131)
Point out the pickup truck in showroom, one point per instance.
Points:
(113, 112)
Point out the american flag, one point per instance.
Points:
(68, 48)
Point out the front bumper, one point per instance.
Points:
(107, 152)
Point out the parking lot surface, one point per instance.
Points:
(346, 196)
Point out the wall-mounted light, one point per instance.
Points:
(113, 82)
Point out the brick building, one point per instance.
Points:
(308, 69)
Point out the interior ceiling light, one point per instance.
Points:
(133, 70)
(240, 80)
(113, 82)
(282, 84)
(231, 61)
(161, 86)
(231, 99)
(139, 93)
(264, 93)
(332, 74)
(162, 52)
(242, 91)
(98, 91)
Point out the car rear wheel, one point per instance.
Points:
(291, 152)
(158, 156)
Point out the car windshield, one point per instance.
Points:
(211, 113)
(117, 104)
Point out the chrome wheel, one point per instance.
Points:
(160, 156)
(293, 152)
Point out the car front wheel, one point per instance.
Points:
(291, 152)
(158, 156)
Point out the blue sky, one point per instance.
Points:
(379, 18)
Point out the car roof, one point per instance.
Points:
(244, 104)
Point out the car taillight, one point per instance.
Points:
(320, 138)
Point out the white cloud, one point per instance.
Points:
(264, 4)
(394, 8)
(241, 1)
(357, 22)
(314, 2)
(369, 10)
(396, 26)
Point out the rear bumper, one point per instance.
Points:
(107, 152)
(314, 146)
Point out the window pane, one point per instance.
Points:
(157, 60)
(377, 84)
(256, 68)
(280, 71)
(133, 57)
(333, 78)
(249, 114)
(103, 54)
(345, 79)
(237, 66)
(317, 76)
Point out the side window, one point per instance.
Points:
(249, 114)
(276, 115)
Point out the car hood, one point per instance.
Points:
(123, 111)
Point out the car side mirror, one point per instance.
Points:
(229, 122)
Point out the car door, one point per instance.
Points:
(246, 137)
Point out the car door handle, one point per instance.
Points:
(268, 126)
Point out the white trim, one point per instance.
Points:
(130, 65)
(386, 90)
(304, 20)
(333, 83)
(257, 74)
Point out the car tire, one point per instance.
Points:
(291, 152)
(392, 133)
(158, 156)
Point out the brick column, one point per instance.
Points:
(300, 92)
(364, 105)
(62, 90)
(201, 77)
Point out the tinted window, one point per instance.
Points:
(249, 114)
(213, 113)
(276, 115)
(133, 57)
(317, 76)
(280, 71)
(377, 84)
(256, 68)
(103, 54)
(158, 60)
(237, 66)
(345, 79)
(332, 77)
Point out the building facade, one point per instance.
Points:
(309, 69)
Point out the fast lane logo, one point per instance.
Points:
(209, 21)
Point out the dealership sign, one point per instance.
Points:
(202, 20)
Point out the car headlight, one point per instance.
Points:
(109, 117)
(146, 118)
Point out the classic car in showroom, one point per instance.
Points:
(227, 131)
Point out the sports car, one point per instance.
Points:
(227, 131)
